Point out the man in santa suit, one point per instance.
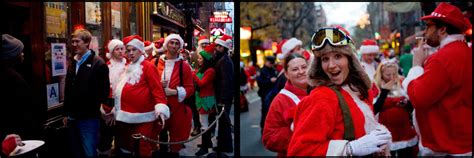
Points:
(149, 50)
(115, 52)
(176, 79)
(439, 86)
(369, 51)
(140, 103)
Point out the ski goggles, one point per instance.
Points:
(333, 36)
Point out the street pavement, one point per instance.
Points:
(250, 137)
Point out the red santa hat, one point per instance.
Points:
(369, 46)
(290, 45)
(173, 36)
(148, 45)
(159, 45)
(136, 41)
(111, 46)
(450, 14)
(203, 39)
(278, 51)
(225, 41)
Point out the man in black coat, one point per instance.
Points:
(16, 111)
(87, 87)
(224, 88)
(266, 81)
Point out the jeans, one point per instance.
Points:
(83, 137)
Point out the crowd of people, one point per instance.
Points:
(142, 87)
(340, 101)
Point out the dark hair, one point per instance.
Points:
(354, 80)
(289, 58)
(450, 29)
(206, 65)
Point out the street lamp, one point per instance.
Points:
(245, 33)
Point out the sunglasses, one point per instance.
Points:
(333, 36)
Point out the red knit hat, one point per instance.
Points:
(136, 41)
(369, 46)
(450, 14)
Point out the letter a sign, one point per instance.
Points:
(52, 94)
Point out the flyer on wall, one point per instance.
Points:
(58, 58)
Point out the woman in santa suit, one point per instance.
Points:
(115, 52)
(140, 103)
(277, 130)
(394, 110)
(177, 81)
(336, 118)
(205, 99)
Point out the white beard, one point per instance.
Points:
(116, 70)
(133, 71)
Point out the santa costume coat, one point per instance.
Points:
(441, 94)
(277, 132)
(319, 125)
(206, 87)
(179, 124)
(138, 95)
(116, 70)
(397, 120)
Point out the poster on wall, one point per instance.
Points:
(93, 13)
(56, 18)
(58, 59)
(94, 45)
(116, 15)
(52, 94)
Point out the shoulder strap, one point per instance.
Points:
(291, 95)
(348, 124)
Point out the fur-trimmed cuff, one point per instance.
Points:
(181, 93)
(292, 126)
(106, 110)
(337, 148)
(162, 108)
(414, 73)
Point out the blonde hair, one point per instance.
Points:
(83, 34)
(378, 78)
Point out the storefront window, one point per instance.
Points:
(56, 55)
(133, 18)
(156, 33)
(116, 12)
(94, 25)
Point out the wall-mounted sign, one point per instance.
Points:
(52, 94)
(56, 18)
(93, 15)
(168, 11)
(220, 20)
(217, 31)
(116, 9)
(58, 58)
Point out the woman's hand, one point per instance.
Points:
(388, 85)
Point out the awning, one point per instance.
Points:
(196, 25)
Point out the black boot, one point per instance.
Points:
(206, 144)
(202, 151)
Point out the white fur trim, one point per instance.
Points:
(281, 56)
(108, 55)
(337, 148)
(203, 41)
(370, 123)
(222, 43)
(451, 38)
(181, 93)
(162, 108)
(368, 49)
(413, 74)
(161, 49)
(137, 44)
(292, 126)
(291, 95)
(151, 46)
(128, 117)
(404, 144)
(289, 45)
(112, 44)
(134, 71)
(116, 71)
(173, 36)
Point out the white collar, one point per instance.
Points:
(113, 61)
(162, 57)
(451, 38)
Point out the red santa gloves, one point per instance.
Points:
(10, 143)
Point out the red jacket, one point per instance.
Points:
(277, 132)
(206, 84)
(319, 125)
(442, 99)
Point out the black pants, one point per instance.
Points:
(224, 135)
(265, 108)
(192, 104)
(405, 152)
(106, 136)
